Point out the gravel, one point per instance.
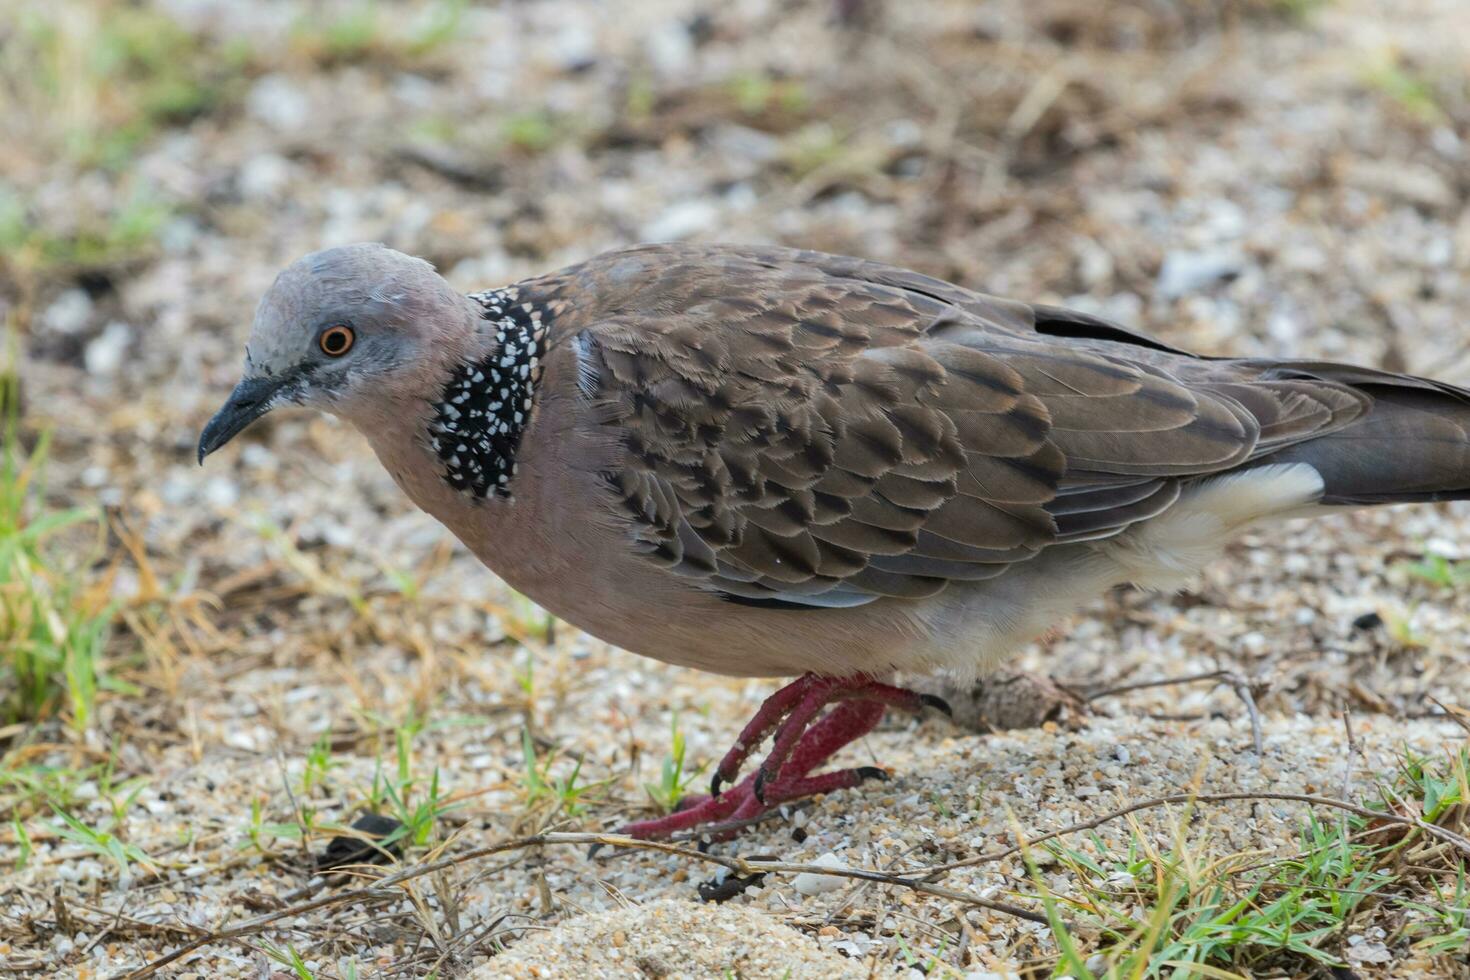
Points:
(1237, 184)
(673, 940)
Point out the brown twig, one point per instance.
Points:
(1352, 751)
(1448, 836)
(1454, 713)
(1238, 684)
(738, 865)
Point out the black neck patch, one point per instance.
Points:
(486, 404)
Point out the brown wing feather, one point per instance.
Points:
(825, 431)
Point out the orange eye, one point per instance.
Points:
(336, 341)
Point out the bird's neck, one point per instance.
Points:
(459, 431)
(506, 524)
(484, 401)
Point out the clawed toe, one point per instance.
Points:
(758, 788)
(938, 703)
(711, 820)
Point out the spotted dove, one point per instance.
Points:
(758, 461)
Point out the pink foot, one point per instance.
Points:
(802, 744)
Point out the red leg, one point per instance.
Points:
(765, 720)
(704, 810)
(843, 725)
(821, 693)
(802, 744)
(793, 708)
(786, 790)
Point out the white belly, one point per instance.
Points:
(974, 626)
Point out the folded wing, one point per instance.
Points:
(803, 430)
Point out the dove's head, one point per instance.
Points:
(344, 330)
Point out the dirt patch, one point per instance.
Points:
(672, 939)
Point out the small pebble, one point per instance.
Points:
(811, 884)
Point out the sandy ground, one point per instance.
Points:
(1230, 177)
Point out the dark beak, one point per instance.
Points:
(251, 399)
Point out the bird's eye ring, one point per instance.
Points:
(336, 340)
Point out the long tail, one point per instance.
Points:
(1413, 443)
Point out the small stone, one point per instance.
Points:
(1368, 621)
(264, 175)
(1189, 272)
(221, 493)
(809, 884)
(104, 355)
(681, 220)
(741, 143)
(1416, 185)
(69, 312)
(365, 847)
(278, 102)
(670, 48)
(1361, 951)
(574, 47)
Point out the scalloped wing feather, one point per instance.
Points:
(825, 431)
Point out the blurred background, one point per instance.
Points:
(1269, 177)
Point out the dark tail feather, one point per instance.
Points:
(1412, 445)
